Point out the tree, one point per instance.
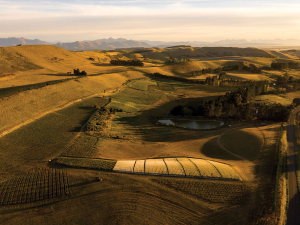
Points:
(83, 73)
(230, 110)
(222, 76)
(218, 110)
(211, 108)
(177, 110)
(296, 101)
(237, 99)
(282, 79)
(76, 71)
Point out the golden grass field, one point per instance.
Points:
(48, 125)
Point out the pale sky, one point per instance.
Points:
(202, 20)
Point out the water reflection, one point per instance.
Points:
(194, 124)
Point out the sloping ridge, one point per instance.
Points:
(179, 52)
(30, 57)
(282, 55)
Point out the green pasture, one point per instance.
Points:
(142, 85)
(131, 100)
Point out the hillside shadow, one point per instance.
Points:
(212, 150)
(245, 145)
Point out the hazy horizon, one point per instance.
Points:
(209, 21)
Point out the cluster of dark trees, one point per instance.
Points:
(173, 60)
(215, 80)
(248, 111)
(227, 68)
(238, 105)
(296, 101)
(212, 80)
(77, 72)
(221, 81)
(197, 73)
(200, 72)
(280, 66)
(99, 120)
(205, 71)
(296, 84)
(284, 79)
(133, 62)
(284, 65)
(217, 70)
(251, 68)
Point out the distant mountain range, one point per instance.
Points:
(121, 43)
(13, 41)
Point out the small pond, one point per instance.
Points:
(194, 124)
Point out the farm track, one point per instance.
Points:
(293, 211)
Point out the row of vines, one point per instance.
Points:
(39, 184)
(216, 192)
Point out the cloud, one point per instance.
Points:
(160, 20)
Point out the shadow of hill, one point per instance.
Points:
(238, 142)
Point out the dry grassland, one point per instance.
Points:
(46, 56)
(19, 64)
(122, 198)
(284, 98)
(41, 140)
(32, 77)
(29, 104)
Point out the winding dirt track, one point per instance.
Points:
(293, 216)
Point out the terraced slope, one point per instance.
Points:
(187, 167)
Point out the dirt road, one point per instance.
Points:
(293, 216)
